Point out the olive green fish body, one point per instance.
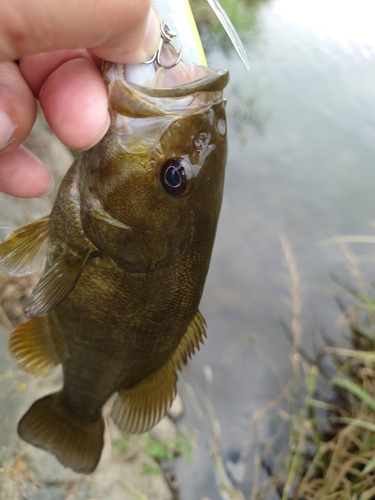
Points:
(151, 293)
(128, 246)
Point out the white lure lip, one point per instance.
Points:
(230, 30)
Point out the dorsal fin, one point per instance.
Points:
(57, 282)
(23, 251)
(31, 344)
(141, 406)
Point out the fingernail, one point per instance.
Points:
(152, 36)
(6, 130)
(51, 186)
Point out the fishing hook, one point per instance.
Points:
(166, 36)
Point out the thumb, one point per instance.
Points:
(118, 30)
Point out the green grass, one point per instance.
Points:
(167, 450)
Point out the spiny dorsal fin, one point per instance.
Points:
(51, 426)
(23, 251)
(141, 406)
(32, 346)
(57, 282)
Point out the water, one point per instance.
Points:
(305, 170)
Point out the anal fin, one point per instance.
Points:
(31, 344)
(23, 251)
(56, 283)
(141, 406)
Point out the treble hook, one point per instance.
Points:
(166, 36)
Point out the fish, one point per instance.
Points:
(126, 251)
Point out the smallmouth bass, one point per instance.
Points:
(127, 246)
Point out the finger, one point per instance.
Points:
(29, 27)
(74, 102)
(71, 91)
(130, 48)
(37, 68)
(22, 174)
(17, 107)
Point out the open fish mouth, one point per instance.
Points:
(182, 80)
(145, 99)
(139, 101)
(182, 88)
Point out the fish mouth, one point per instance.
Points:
(197, 87)
(214, 81)
(156, 81)
(146, 99)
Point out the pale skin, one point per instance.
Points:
(59, 46)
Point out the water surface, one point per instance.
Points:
(303, 167)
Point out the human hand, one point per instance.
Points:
(60, 45)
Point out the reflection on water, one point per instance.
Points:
(348, 23)
(307, 171)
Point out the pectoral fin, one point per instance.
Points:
(32, 346)
(23, 251)
(56, 283)
(141, 406)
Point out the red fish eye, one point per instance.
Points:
(173, 177)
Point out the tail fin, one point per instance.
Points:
(76, 443)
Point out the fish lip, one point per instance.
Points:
(211, 81)
(215, 81)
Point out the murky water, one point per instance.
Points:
(307, 173)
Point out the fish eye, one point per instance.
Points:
(173, 177)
